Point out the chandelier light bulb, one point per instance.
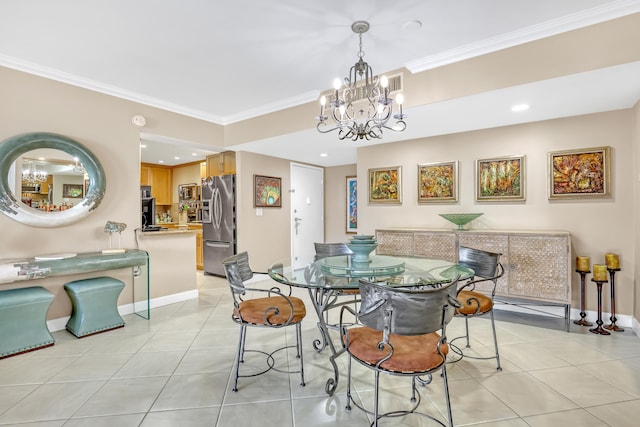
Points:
(323, 100)
(384, 82)
(337, 83)
(400, 99)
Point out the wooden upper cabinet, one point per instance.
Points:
(159, 178)
(221, 164)
(145, 175)
(203, 170)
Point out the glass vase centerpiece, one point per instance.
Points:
(460, 219)
(362, 246)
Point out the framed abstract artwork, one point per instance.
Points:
(73, 191)
(438, 182)
(385, 185)
(579, 173)
(500, 179)
(267, 191)
(352, 204)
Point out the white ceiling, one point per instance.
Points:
(227, 61)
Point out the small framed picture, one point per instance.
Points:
(352, 204)
(385, 185)
(72, 191)
(267, 191)
(500, 179)
(438, 182)
(579, 173)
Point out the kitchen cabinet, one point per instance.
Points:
(203, 170)
(537, 263)
(159, 178)
(199, 253)
(221, 164)
(44, 187)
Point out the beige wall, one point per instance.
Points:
(335, 202)
(597, 226)
(266, 237)
(103, 124)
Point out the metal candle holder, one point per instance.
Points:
(599, 329)
(583, 321)
(612, 326)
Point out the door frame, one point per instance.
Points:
(292, 214)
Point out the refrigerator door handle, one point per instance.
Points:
(217, 208)
(217, 245)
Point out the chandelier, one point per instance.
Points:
(77, 167)
(361, 108)
(32, 175)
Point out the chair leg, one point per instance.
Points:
(299, 350)
(446, 393)
(466, 330)
(375, 397)
(239, 356)
(348, 407)
(495, 341)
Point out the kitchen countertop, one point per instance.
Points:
(168, 231)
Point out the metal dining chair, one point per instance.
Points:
(275, 310)
(402, 333)
(476, 302)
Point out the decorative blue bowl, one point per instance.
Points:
(361, 251)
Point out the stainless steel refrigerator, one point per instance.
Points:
(218, 221)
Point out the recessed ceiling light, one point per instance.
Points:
(324, 155)
(160, 161)
(520, 107)
(143, 145)
(176, 158)
(194, 154)
(412, 26)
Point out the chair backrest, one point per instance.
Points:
(238, 271)
(485, 264)
(324, 250)
(414, 311)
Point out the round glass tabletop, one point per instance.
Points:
(340, 272)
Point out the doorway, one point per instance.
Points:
(307, 212)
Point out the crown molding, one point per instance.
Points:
(553, 27)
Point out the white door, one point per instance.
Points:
(307, 212)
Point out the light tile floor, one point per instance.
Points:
(174, 369)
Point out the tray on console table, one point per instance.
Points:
(14, 270)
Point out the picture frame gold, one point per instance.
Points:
(352, 205)
(500, 179)
(580, 173)
(385, 185)
(438, 182)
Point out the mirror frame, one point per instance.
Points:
(14, 147)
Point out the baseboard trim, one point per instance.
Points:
(61, 323)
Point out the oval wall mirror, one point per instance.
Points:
(48, 180)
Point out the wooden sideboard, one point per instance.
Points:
(537, 263)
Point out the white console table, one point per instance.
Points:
(14, 270)
(537, 263)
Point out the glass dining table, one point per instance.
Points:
(330, 280)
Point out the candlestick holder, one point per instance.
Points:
(583, 321)
(599, 329)
(612, 326)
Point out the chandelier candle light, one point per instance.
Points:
(361, 108)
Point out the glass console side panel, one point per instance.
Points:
(141, 302)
